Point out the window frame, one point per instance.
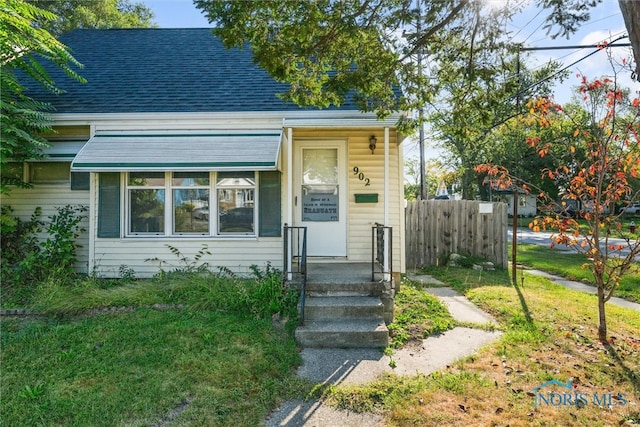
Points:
(169, 204)
(177, 187)
(230, 193)
(32, 165)
(129, 188)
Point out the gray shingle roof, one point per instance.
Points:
(162, 70)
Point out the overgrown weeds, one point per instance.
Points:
(261, 295)
(27, 260)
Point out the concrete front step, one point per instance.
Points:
(351, 333)
(325, 308)
(345, 289)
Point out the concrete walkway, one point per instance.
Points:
(359, 366)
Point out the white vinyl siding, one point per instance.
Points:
(233, 254)
(361, 217)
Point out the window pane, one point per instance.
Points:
(235, 202)
(147, 211)
(236, 179)
(190, 179)
(146, 179)
(49, 172)
(80, 181)
(320, 166)
(236, 220)
(191, 211)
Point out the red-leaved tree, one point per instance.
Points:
(597, 152)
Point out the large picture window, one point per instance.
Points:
(180, 203)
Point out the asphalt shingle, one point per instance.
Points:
(162, 70)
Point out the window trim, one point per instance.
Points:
(30, 165)
(169, 219)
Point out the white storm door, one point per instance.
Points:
(320, 201)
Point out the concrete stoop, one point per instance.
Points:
(343, 316)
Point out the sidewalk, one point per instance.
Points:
(578, 286)
(359, 366)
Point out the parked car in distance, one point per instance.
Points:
(236, 220)
(632, 209)
(201, 213)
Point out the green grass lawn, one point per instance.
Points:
(208, 355)
(141, 367)
(211, 354)
(569, 265)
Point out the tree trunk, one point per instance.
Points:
(631, 13)
(602, 318)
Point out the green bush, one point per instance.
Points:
(27, 260)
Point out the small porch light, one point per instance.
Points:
(372, 143)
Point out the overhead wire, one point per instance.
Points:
(558, 59)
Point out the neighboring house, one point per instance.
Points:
(175, 140)
(526, 203)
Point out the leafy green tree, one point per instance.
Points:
(434, 173)
(474, 106)
(328, 50)
(23, 44)
(73, 14)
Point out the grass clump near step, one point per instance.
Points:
(417, 315)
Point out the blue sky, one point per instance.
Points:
(176, 14)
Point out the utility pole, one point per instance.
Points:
(514, 239)
(423, 190)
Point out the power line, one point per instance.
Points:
(598, 48)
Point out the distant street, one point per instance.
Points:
(543, 238)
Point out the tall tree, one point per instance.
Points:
(23, 44)
(73, 14)
(472, 106)
(631, 14)
(328, 50)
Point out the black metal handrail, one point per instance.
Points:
(295, 260)
(382, 251)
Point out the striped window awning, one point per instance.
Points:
(111, 151)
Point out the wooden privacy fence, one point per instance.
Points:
(437, 228)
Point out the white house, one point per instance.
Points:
(175, 140)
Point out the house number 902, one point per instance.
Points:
(361, 177)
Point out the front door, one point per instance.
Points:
(320, 197)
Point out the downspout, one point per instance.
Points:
(387, 263)
(289, 169)
(93, 214)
